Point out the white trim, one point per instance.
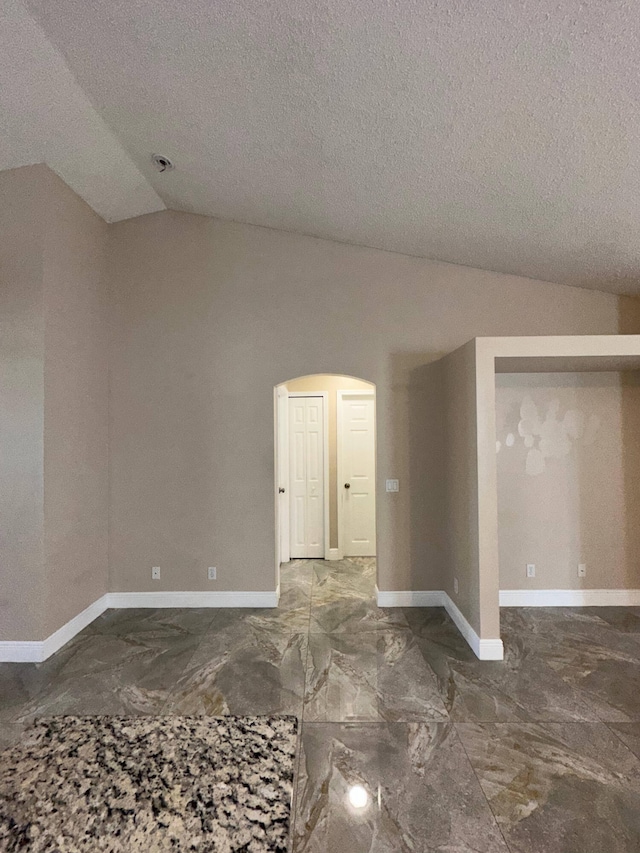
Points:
(411, 598)
(188, 598)
(325, 454)
(281, 467)
(569, 597)
(78, 623)
(21, 651)
(335, 554)
(36, 651)
(340, 395)
(484, 649)
(490, 650)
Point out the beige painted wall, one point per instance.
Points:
(76, 420)
(331, 384)
(53, 421)
(578, 500)
(22, 409)
(208, 316)
(473, 486)
(461, 482)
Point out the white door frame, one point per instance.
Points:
(282, 474)
(325, 460)
(340, 465)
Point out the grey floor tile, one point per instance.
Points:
(435, 625)
(154, 622)
(109, 674)
(375, 689)
(352, 616)
(521, 687)
(603, 665)
(625, 619)
(561, 787)
(369, 677)
(22, 682)
(543, 674)
(530, 623)
(21, 685)
(420, 791)
(350, 577)
(243, 671)
(284, 620)
(297, 573)
(343, 599)
(629, 734)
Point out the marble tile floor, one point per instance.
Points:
(539, 752)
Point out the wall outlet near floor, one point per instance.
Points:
(212, 573)
(531, 570)
(155, 573)
(456, 586)
(582, 570)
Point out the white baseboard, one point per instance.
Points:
(411, 598)
(68, 631)
(36, 651)
(492, 648)
(484, 649)
(569, 597)
(488, 649)
(187, 598)
(334, 554)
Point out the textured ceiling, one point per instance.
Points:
(46, 117)
(503, 135)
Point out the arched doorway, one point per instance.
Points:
(325, 451)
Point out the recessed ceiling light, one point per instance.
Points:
(162, 163)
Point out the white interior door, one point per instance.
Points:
(357, 473)
(306, 476)
(282, 469)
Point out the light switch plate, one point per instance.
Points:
(393, 485)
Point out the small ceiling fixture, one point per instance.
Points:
(162, 163)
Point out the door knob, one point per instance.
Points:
(281, 490)
(347, 485)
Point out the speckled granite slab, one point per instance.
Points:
(76, 784)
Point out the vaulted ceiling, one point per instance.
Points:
(502, 135)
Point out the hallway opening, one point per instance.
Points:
(325, 468)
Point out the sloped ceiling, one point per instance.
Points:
(45, 117)
(500, 135)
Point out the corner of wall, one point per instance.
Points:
(629, 315)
